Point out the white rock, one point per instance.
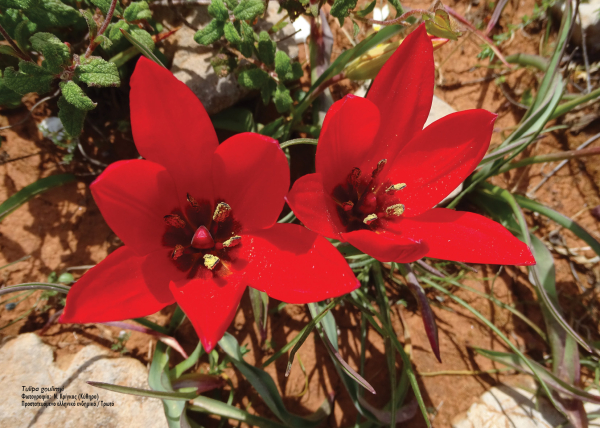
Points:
(191, 61)
(27, 361)
(590, 23)
(503, 406)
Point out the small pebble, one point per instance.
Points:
(10, 306)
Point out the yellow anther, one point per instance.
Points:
(221, 212)
(233, 241)
(210, 261)
(397, 209)
(395, 187)
(379, 167)
(177, 251)
(370, 218)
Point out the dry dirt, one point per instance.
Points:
(64, 228)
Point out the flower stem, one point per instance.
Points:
(570, 105)
(17, 49)
(93, 45)
(297, 141)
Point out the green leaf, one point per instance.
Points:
(137, 10)
(267, 91)
(223, 63)
(52, 13)
(29, 78)
(23, 32)
(89, 19)
(247, 10)
(215, 407)
(114, 30)
(355, 29)
(98, 72)
(8, 50)
(71, 117)
(342, 8)
(231, 34)
(235, 119)
(441, 25)
(9, 20)
(28, 192)
(158, 380)
(104, 6)
(217, 10)
(260, 308)
(210, 33)
(367, 10)
(143, 37)
(141, 47)
(253, 78)
(17, 4)
(8, 97)
(282, 99)
(179, 396)
(283, 64)
(266, 48)
(75, 96)
(56, 53)
(103, 41)
(231, 4)
(248, 36)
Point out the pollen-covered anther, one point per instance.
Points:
(211, 261)
(177, 251)
(354, 176)
(175, 221)
(202, 239)
(222, 211)
(395, 188)
(379, 167)
(397, 209)
(370, 219)
(347, 206)
(232, 242)
(192, 201)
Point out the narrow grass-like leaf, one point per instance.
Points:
(202, 382)
(142, 48)
(22, 259)
(28, 192)
(159, 381)
(214, 407)
(260, 307)
(34, 286)
(178, 396)
(151, 325)
(168, 340)
(539, 371)
(187, 364)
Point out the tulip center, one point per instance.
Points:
(203, 239)
(366, 201)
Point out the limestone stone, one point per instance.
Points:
(191, 61)
(27, 361)
(589, 23)
(504, 406)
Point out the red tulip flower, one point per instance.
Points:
(379, 174)
(198, 220)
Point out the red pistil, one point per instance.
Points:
(202, 239)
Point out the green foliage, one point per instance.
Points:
(29, 78)
(223, 64)
(232, 4)
(367, 10)
(98, 72)
(71, 117)
(56, 53)
(137, 10)
(103, 41)
(342, 8)
(75, 96)
(247, 10)
(9, 20)
(283, 99)
(8, 97)
(285, 69)
(51, 13)
(23, 32)
(266, 48)
(217, 10)
(247, 45)
(231, 34)
(268, 90)
(89, 19)
(8, 50)
(104, 5)
(143, 37)
(210, 33)
(253, 78)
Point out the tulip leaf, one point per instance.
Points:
(28, 192)
(71, 117)
(159, 381)
(34, 286)
(532, 367)
(98, 72)
(235, 119)
(247, 10)
(260, 307)
(210, 33)
(178, 396)
(215, 407)
(217, 10)
(266, 388)
(188, 363)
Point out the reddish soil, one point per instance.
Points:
(63, 228)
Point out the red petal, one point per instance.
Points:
(386, 247)
(117, 288)
(314, 207)
(293, 264)
(210, 305)
(251, 174)
(346, 139)
(440, 157)
(465, 237)
(403, 91)
(171, 127)
(133, 197)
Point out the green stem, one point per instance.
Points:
(570, 105)
(524, 60)
(297, 141)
